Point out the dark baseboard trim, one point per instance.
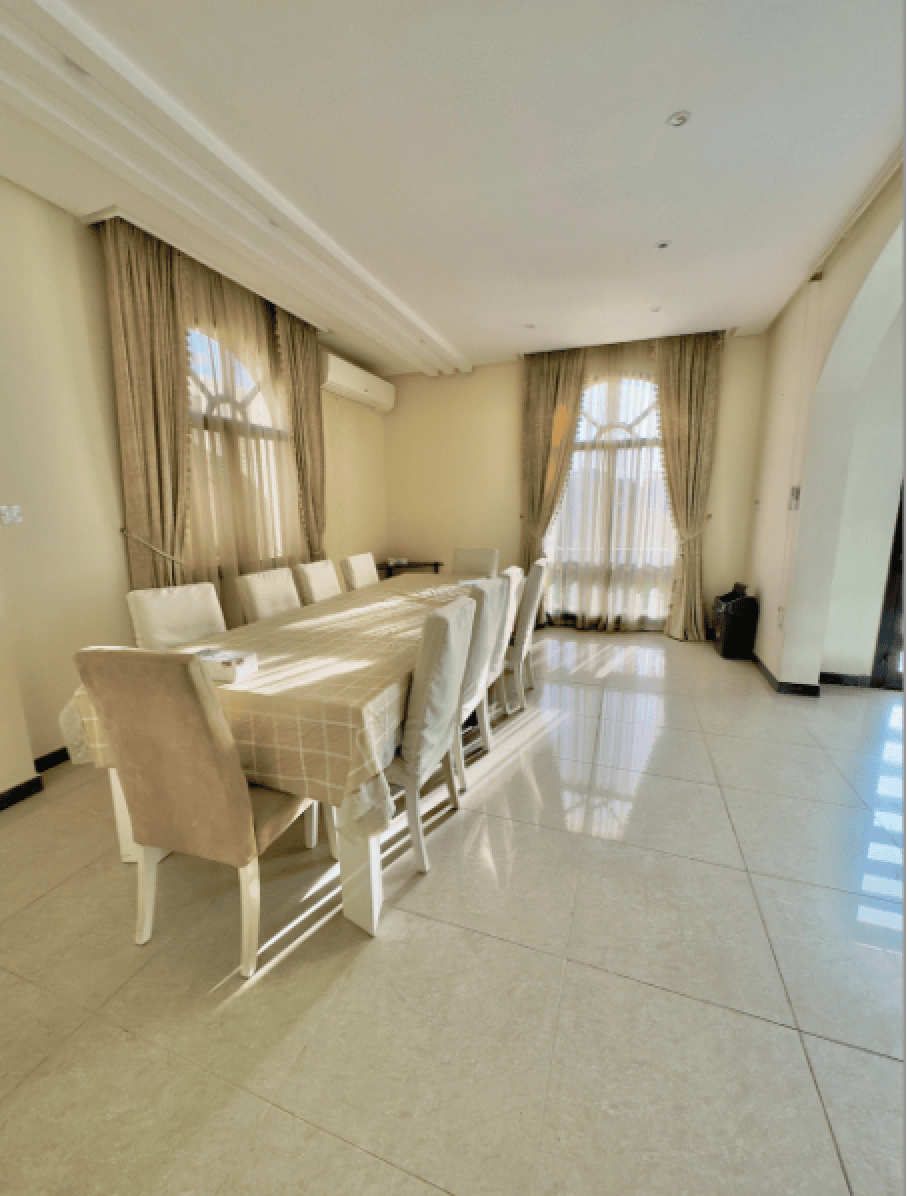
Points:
(860, 680)
(51, 760)
(19, 792)
(787, 687)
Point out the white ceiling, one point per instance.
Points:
(442, 174)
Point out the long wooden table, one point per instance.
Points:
(323, 714)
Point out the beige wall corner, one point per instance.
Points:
(726, 541)
(16, 756)
(356, 516)
(64, 566)
(453, 461)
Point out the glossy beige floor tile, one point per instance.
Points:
(42, 845)
(787, 770)
(534, 785)
(582, 700)
(112, 1113)
(680, 817)
(761, 718)
(836, 846)
(652, 1094)
(874, 774)
(864, 1098)
(643, 747)
(78, 940)
(680, 924)
(854, 720)
(434, 1055)
(32, 1023)
(841, 957)
(660, 710)
(503, 878)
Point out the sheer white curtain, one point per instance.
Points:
(612, 541)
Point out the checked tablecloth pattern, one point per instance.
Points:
(323, 715)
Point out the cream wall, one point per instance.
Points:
(15, 748)
(63, 568)
(452, 460)
(726, 541)
(356, 517)
(784, 556)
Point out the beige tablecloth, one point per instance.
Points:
(323, 715)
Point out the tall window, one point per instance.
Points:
(612, 541)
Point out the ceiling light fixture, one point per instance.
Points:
(677, 119)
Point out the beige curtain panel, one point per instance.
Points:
(219, 409)
(298, 344)
(552, 394)
(150, 372)
(687, 373)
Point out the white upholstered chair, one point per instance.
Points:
(359, 571)
(180, 772)
(514, 578)
(317, 581)
(433, 712)
(164, 619)
(475, 562)
(262, 595)
(517, 657)
(490, 597)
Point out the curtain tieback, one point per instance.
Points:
(139, 540)
(683, 541)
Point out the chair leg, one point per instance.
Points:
(521, 695)
(250, 903)
(415, 823)
(147, 875)
(447, 768)
(310, 825)
(503, 694)
(531, 676)
(485, 726)
(459, 763)
(331, 827)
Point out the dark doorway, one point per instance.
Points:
(889, 658)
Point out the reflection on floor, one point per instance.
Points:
(659, 951)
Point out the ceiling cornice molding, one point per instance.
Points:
(120, 117)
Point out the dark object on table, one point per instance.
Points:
(736, 624)
(388, 569)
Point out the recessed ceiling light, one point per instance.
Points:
(663, 244)
(529, 325)
(677, 119)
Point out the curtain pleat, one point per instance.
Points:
(150, 375)
(298, 343)
(612, 543)
(687, 370)
(552, 392)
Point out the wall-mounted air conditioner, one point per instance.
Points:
(339, 377)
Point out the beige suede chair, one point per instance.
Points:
(263, 595)
(517, 657)
(475, 562)
(173, 615)
(433, 712)
(490, 598)
(181, 775)
(317, 581)
(359, 571)
(514, 578)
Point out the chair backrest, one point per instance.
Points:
(478, 562)
(359, 571)
(265, 594)
(514, 577)
(164, 619)
(433, 707)
(529, 605)
(317, 581)
(490, 598)
(175, 756)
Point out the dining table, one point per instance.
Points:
(322, 715)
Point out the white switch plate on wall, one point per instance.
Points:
(10, 514)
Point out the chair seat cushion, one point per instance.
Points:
(272, 813)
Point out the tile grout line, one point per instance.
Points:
(794, 1015)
